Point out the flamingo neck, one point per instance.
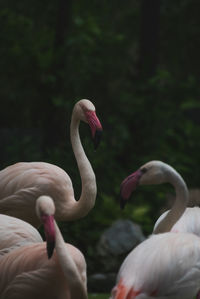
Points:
(86, 201)
(180, 204)
(69, 268)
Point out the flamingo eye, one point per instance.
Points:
(144, 170)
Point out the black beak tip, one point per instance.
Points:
(97, 138)
(50, 249)
(122, 202)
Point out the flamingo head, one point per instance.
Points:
(128, 185)
(45, 210)
(87, 114)
(153, 172)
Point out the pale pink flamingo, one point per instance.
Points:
(26, 272)
(22, 183)
(163, 266)
(15, 233)
(179, 218)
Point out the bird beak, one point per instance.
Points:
(97, 138)
(49, 229)
(50, 248)
(128, 185)
(95, 126)
(122, 201)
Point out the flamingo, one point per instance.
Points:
(26, 272)
(179, 218)
(167, 264)
(22, 183)
(164, 266)
(15, 233)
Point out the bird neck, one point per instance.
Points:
(86, 202)
(179, 206)
(69, 268)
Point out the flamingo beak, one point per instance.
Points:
(49, 229)
(97, 138)
(50, 249)
(128, 185)
(95, 126)
(122, 202)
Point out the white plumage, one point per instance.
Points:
(16, 233)
(164, 266)
(188, 223)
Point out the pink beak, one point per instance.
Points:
(95, 126)
(49, 229)
(128, 185)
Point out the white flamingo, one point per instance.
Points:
(22, 183)
(164, 266)
(26, 272)
(15, 233)
(179, 218)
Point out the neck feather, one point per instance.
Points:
(71, 273)
(86, 202)
(180, 204)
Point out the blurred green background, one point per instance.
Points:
(138, 61)
(98, 296)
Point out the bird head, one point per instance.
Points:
(45, 210)
(148, 174)
(86, 111)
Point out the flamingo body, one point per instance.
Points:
(16, 233)
(163, 266)
(22, 183)
(188, 223)
(27, 273)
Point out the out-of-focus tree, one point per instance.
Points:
(137, 62)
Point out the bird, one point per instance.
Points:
(15, 233)
(163, 266)
(166, 265)
(22, 183)
(27, 272)
(180, 218)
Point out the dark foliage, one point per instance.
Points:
(143, 80)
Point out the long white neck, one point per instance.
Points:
(72, 275)
(86, 202)
(179, 206)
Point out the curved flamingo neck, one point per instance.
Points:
(71, 273)
(86, 202)
(180, 204)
